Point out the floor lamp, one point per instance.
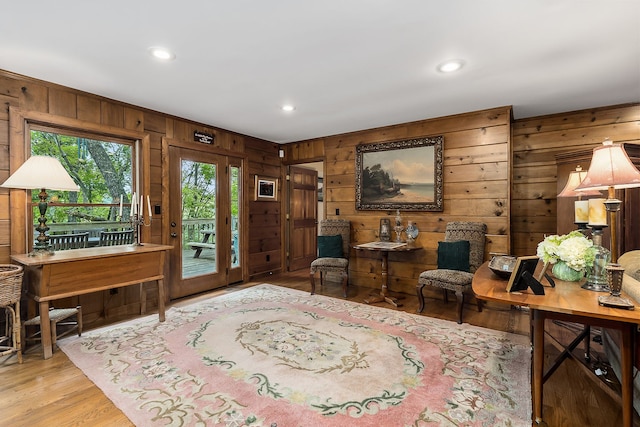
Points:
(40, 172)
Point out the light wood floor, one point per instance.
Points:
(54, 392)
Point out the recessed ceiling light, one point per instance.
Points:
(161, 53)
(288, 108)
(450, 66)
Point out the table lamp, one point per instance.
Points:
(40, 172)
(611, 169)
(581, 207)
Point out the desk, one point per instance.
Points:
(384, 248)
(82, 271)
(567, 302)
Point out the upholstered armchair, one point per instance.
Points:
(334, 239)
(459, 256)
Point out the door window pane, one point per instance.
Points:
(198, 187)
(234, 182)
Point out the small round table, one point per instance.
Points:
(384, 248)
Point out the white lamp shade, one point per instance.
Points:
(41, 172)
(610, 167)
(574, 180)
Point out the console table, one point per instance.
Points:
(567, 302)
(384, 248)
(82, 271)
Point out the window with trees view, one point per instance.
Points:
(103, 169)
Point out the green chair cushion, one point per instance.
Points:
(454, 255)
(330, 246)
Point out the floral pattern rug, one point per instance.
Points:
(272, 356)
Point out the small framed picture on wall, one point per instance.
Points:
(266, 188)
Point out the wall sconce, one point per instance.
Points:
(281, 153)
(41, 172)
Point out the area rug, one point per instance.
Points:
(271, 356)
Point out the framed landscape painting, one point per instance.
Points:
(405, 175)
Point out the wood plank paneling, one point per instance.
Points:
(476, 167)
(62, 103)
(88, 108)
(42, 97)
(266, 233)
(536, 142)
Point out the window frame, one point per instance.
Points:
(20, 124)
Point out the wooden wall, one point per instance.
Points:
(265, 235)
(536, 143)
(496, 170)
(476, 188)
(33, 95)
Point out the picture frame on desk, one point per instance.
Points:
(524, 268)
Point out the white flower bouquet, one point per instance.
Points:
(574, 249)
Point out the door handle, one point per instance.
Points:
(174, 234)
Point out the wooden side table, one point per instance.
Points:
(384, 248)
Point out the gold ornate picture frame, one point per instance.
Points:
(405, 175)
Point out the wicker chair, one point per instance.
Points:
(455, 280)
(114, 238)
(10, 292)
(61, 242)
(337, 265)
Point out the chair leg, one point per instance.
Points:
(345, 283)
(460, 298)
(313, 283)
(480, 304)
(79, 318)
(445, 295)
(420, 297)
(16, 329)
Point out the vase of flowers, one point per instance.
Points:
(572, 255)
(562, 271)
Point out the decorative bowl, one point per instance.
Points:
(502, 265)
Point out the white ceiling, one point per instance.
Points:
(346, 65)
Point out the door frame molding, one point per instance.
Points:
(168, 142)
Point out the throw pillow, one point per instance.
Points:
(330, 246)
(454, 255)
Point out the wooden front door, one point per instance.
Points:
(205, 221)
(303, 217)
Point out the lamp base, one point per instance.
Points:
(596, 287)
(42, 249)
(615, 302)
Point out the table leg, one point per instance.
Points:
(143, 299)
(45, 330)
(626, 365)
(161, 300)
(538, 363)
(382, 296)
